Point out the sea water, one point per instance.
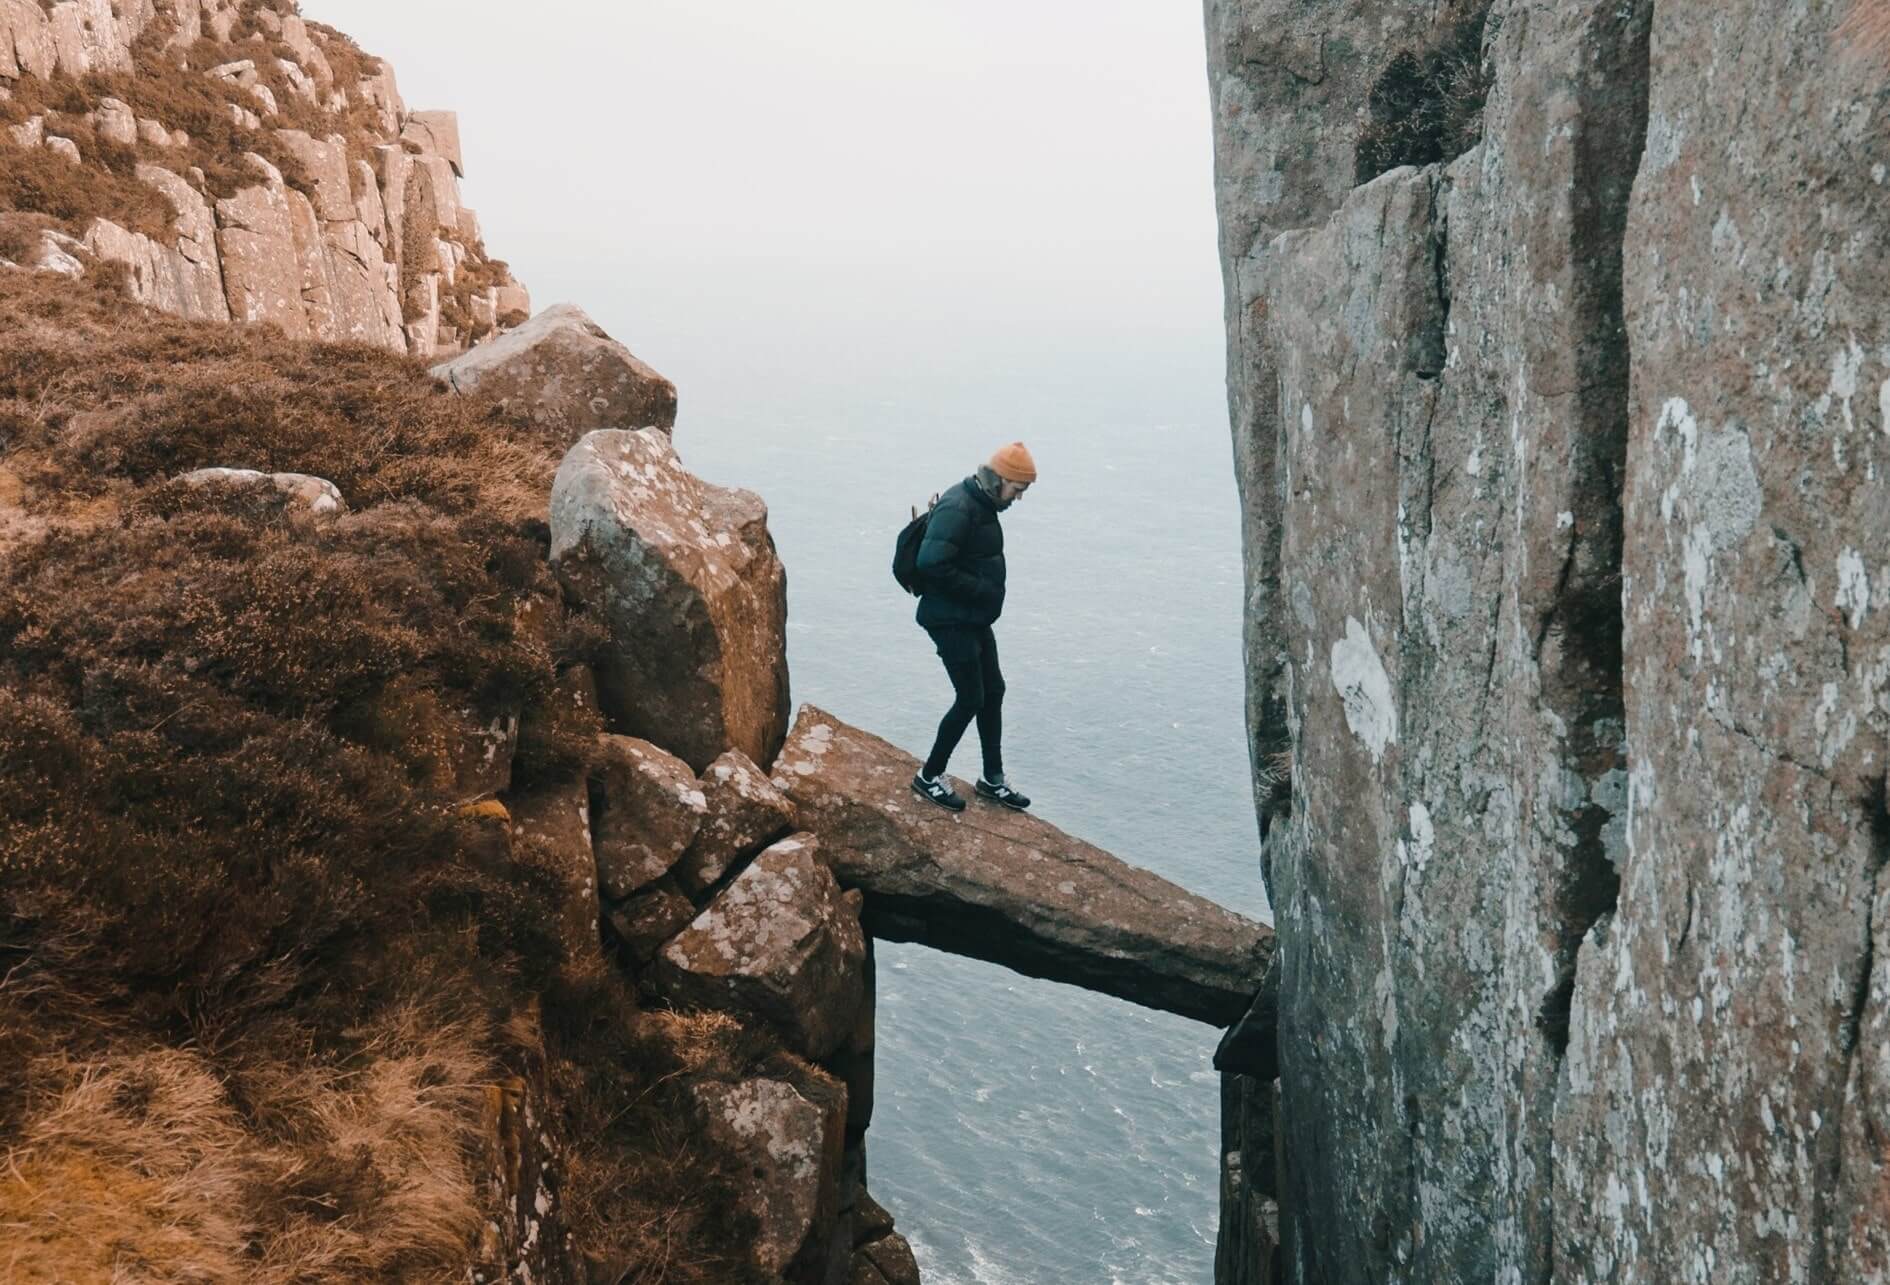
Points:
(1027, 1131)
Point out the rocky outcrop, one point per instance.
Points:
(1558, 487)
(1010, 888)
(685, 575)
(781, 945)
(789, 1139)
(566, 374)
(329, 262)
(649, 807)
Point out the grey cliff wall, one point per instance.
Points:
(1567, 549)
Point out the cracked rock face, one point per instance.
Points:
(1011, 888)
(1730, 1057)
(781, 944)
(791, 1145)
(562, 370)
(744, 811)
(1566, 514)
(649, 807)
(686, 577)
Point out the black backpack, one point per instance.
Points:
(906, 552)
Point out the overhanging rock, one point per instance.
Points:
(1010, 888)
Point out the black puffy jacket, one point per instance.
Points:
(961, 562)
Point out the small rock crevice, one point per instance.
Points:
(1579, 642)
(1831, 1189)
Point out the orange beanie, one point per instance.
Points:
(1013, 464)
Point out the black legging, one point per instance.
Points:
(978, 691)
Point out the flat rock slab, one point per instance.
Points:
(1009, 888)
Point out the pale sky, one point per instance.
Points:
(754, 190)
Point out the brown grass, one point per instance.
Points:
(255, 964)
(141, 1162)
(20, 233)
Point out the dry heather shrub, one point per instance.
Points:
(653, 1205)
(37, 180)
(1427, 105)
(222, 873)
(142, 1162)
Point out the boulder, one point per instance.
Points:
(30, 133)
(685, 576)
(853, 1061)
(114, 122)
(64, 147)
(781, 944)
(745, 811)
(314, 494)
(650, 918)
(791, 1145)
(566, 374)
(886, 1261)
(1010, 888)
(649, 807)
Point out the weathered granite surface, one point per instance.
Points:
(1565, 531)
(685, 575)
(562, 371)
(1011, 888)
(329, 263)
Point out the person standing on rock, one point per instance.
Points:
(961, 576)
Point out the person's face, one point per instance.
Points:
(1011, 492)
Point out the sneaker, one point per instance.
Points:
(1001, 792)
(937, 791)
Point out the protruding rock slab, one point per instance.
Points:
(686, 576)
(648, 809)
(1012, 889)
(745, 811)
(781, 944)
(565, 373)
(792, 1144)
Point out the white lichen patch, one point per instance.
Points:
(1853, 587)
(1359, 677)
